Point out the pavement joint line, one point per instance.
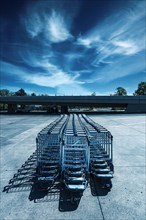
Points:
(136, 123)
(27, 133)
(103, 218)
(129, 135)
(100, 208)
(127, 125)
(130, 166)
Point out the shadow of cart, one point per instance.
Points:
(26, 180)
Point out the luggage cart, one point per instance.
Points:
(71, 148)
(101, 151)
(48, 152)
(75, 159)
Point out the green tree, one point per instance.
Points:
(141, 89)
(21, 92)
(120, 91)
(93, 94)
(4, 92)
(44, 94)
(33, 94)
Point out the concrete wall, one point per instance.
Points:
(136, 108)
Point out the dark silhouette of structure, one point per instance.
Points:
(132, 104)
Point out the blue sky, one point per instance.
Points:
(72, 47)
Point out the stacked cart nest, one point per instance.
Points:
(71, 149)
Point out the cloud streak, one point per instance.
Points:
(118, 38)
(56, 28)
(53, 78)
(52, 23)
(53, 53)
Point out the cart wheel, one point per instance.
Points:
(108, 185)
(75, 197)
(74, 200)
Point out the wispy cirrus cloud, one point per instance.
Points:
(125, 47)
(52, 77)
(57, 29)
(124, 29)
(119, 44)
(52, 52)
(48, 20)
(33, 24)
(123, 67)
(105, 46)
(90, 40)
(53, 28)
(73, 89)
(54, 80)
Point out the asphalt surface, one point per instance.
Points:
(125, 201)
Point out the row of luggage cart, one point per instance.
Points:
(75, 157)
(49, 150)
(71, 149)
(101, 151)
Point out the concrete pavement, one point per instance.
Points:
(125, 201)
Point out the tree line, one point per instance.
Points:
(141, 90)
(120, 91)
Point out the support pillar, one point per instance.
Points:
(64, 109)
(12, 108)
